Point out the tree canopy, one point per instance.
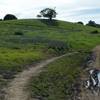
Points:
(10, 17)
(49, 13)
(93, 23)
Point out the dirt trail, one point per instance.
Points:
(16, 89)
(97, 56)
(95, 63)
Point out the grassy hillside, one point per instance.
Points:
(24, 42)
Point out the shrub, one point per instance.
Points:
(19, 33)
(10, 17)
(91, 23)
(95, 32)
(39, 16)
(80, 23)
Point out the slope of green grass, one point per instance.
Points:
(17, 59)
(57, 80)
(40, 36)
(41, 39)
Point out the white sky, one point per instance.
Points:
(69, 10)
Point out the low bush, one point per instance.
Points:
(10, 17)
(80, 23)
(95, 32)
(19, 33)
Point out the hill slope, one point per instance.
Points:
(25, 42)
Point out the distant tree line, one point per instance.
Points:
(93, 23)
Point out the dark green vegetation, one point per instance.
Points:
(93, 24)
(95, 32)
(58, 80)
(10, 17)
(80, 23)
(48, 13)
(25, 42)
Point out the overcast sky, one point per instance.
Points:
(69, 10)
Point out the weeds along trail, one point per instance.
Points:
(16, 89)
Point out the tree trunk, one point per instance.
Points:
(50, 18)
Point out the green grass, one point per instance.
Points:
(16, 59)
(57, 80)
(41, 39)
(63, 31)
(40, 36)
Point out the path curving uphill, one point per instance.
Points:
(16, 89)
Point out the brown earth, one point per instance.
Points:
(93, 63)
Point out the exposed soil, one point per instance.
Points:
(93, 62)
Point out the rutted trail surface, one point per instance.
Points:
(16, 89)
(97, 56)
(94, 63)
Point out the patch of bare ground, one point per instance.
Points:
(92, 62)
